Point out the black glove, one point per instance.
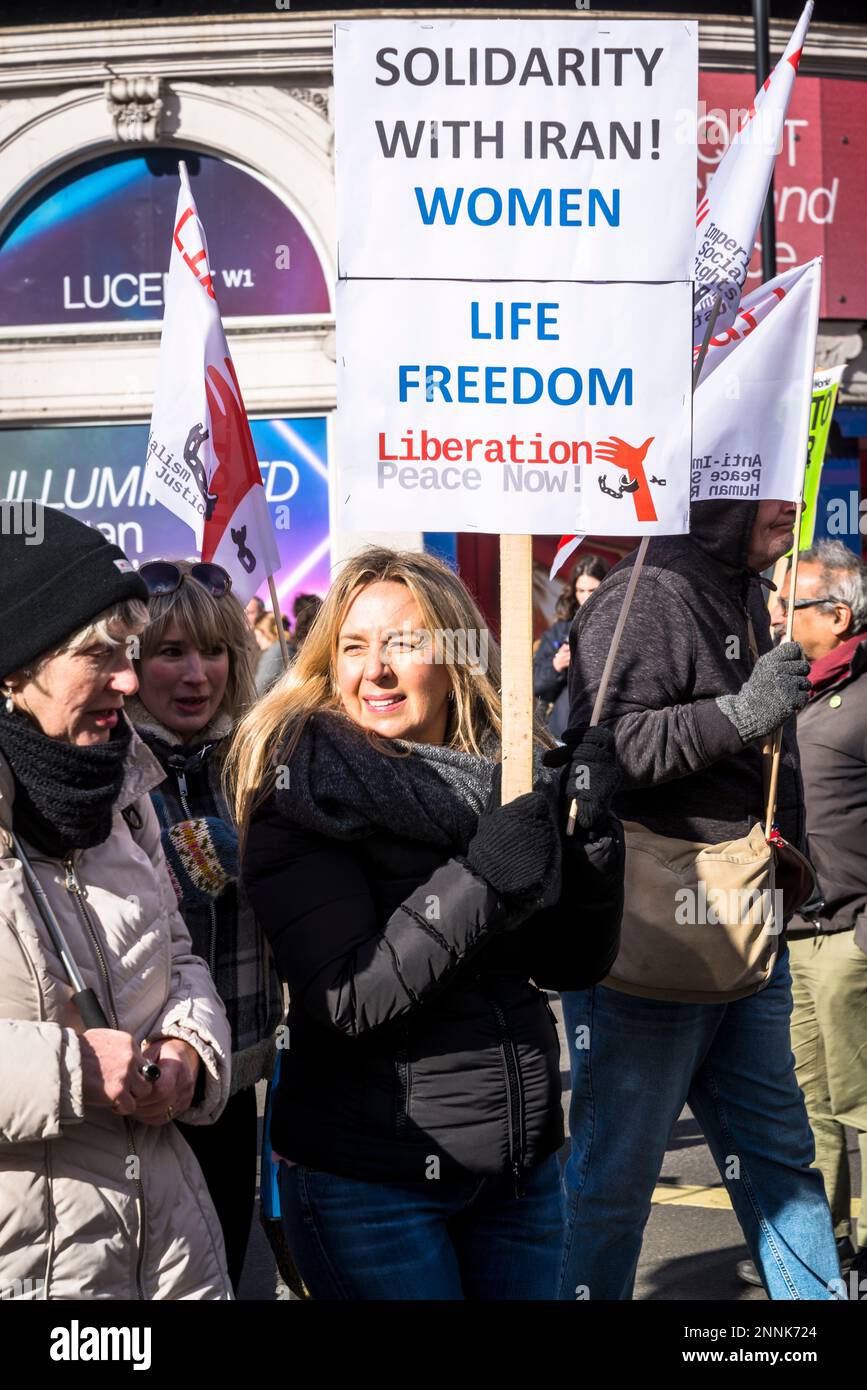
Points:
(593, 775)
(517, 846)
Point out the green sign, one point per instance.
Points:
(825, 385)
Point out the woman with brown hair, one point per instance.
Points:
(418, 1113)
(195, 680)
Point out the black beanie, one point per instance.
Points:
(53, 587)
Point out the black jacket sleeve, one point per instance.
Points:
(343, 966)
(548, 683)
(574, 943)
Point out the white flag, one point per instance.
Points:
(751, 409)
(728, 215)
(201, 460)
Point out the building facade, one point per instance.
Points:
(94, 116)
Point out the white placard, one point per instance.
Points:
(510, 149)
(514, 408)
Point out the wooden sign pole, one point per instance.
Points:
(779, 579)
(516, 641)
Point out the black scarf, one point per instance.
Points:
(64, 795)
(340, 784)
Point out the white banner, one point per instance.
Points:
(728, 215)
(509, 149)
(751, 413)
(201, 462)
(514, 408)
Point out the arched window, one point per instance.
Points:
(93, 245)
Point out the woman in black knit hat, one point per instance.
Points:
(100, 1197)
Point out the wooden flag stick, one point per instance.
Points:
(516, 640)
(790, 619)
(281, 635)
(779, 579)
(636, 571)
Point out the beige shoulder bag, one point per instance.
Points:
(702, 922)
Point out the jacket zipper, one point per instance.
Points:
(514, 1096)
(78, 893)
(402, 1099)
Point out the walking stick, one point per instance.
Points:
(83, 998)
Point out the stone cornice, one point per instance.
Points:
(284, 45)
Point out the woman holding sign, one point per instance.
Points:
(418, 1113)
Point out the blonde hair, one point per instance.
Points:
(277, 721)
(208, 622)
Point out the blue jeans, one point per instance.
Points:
(465, 1239)
(733, 1065)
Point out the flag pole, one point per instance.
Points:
(790, 619)
(281, 635)
(778, 579)
(636, 571)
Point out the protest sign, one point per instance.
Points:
(511, 150)
(751, 410)
(471, 152)
(201, 460)
(515, 408)
(825, 386)
(730, 209)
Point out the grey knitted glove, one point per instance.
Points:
(777, 688)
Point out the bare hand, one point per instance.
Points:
(169, 1097)
(561, 660)
(110, 1067)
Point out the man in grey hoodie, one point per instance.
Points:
(689, 705)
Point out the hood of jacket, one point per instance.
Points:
(150, 728)
(722, 529)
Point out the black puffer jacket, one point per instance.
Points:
(686, 641)
(416, 1034)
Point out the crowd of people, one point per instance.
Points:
(230, 848)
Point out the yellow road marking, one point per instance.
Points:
(714, 1196)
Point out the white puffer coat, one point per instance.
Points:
(92, 1204)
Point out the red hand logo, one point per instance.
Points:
(631, 460)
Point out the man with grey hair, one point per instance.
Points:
(829, 971)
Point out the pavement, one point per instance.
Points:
(692, 1241)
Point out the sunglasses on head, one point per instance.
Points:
(164, 577)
